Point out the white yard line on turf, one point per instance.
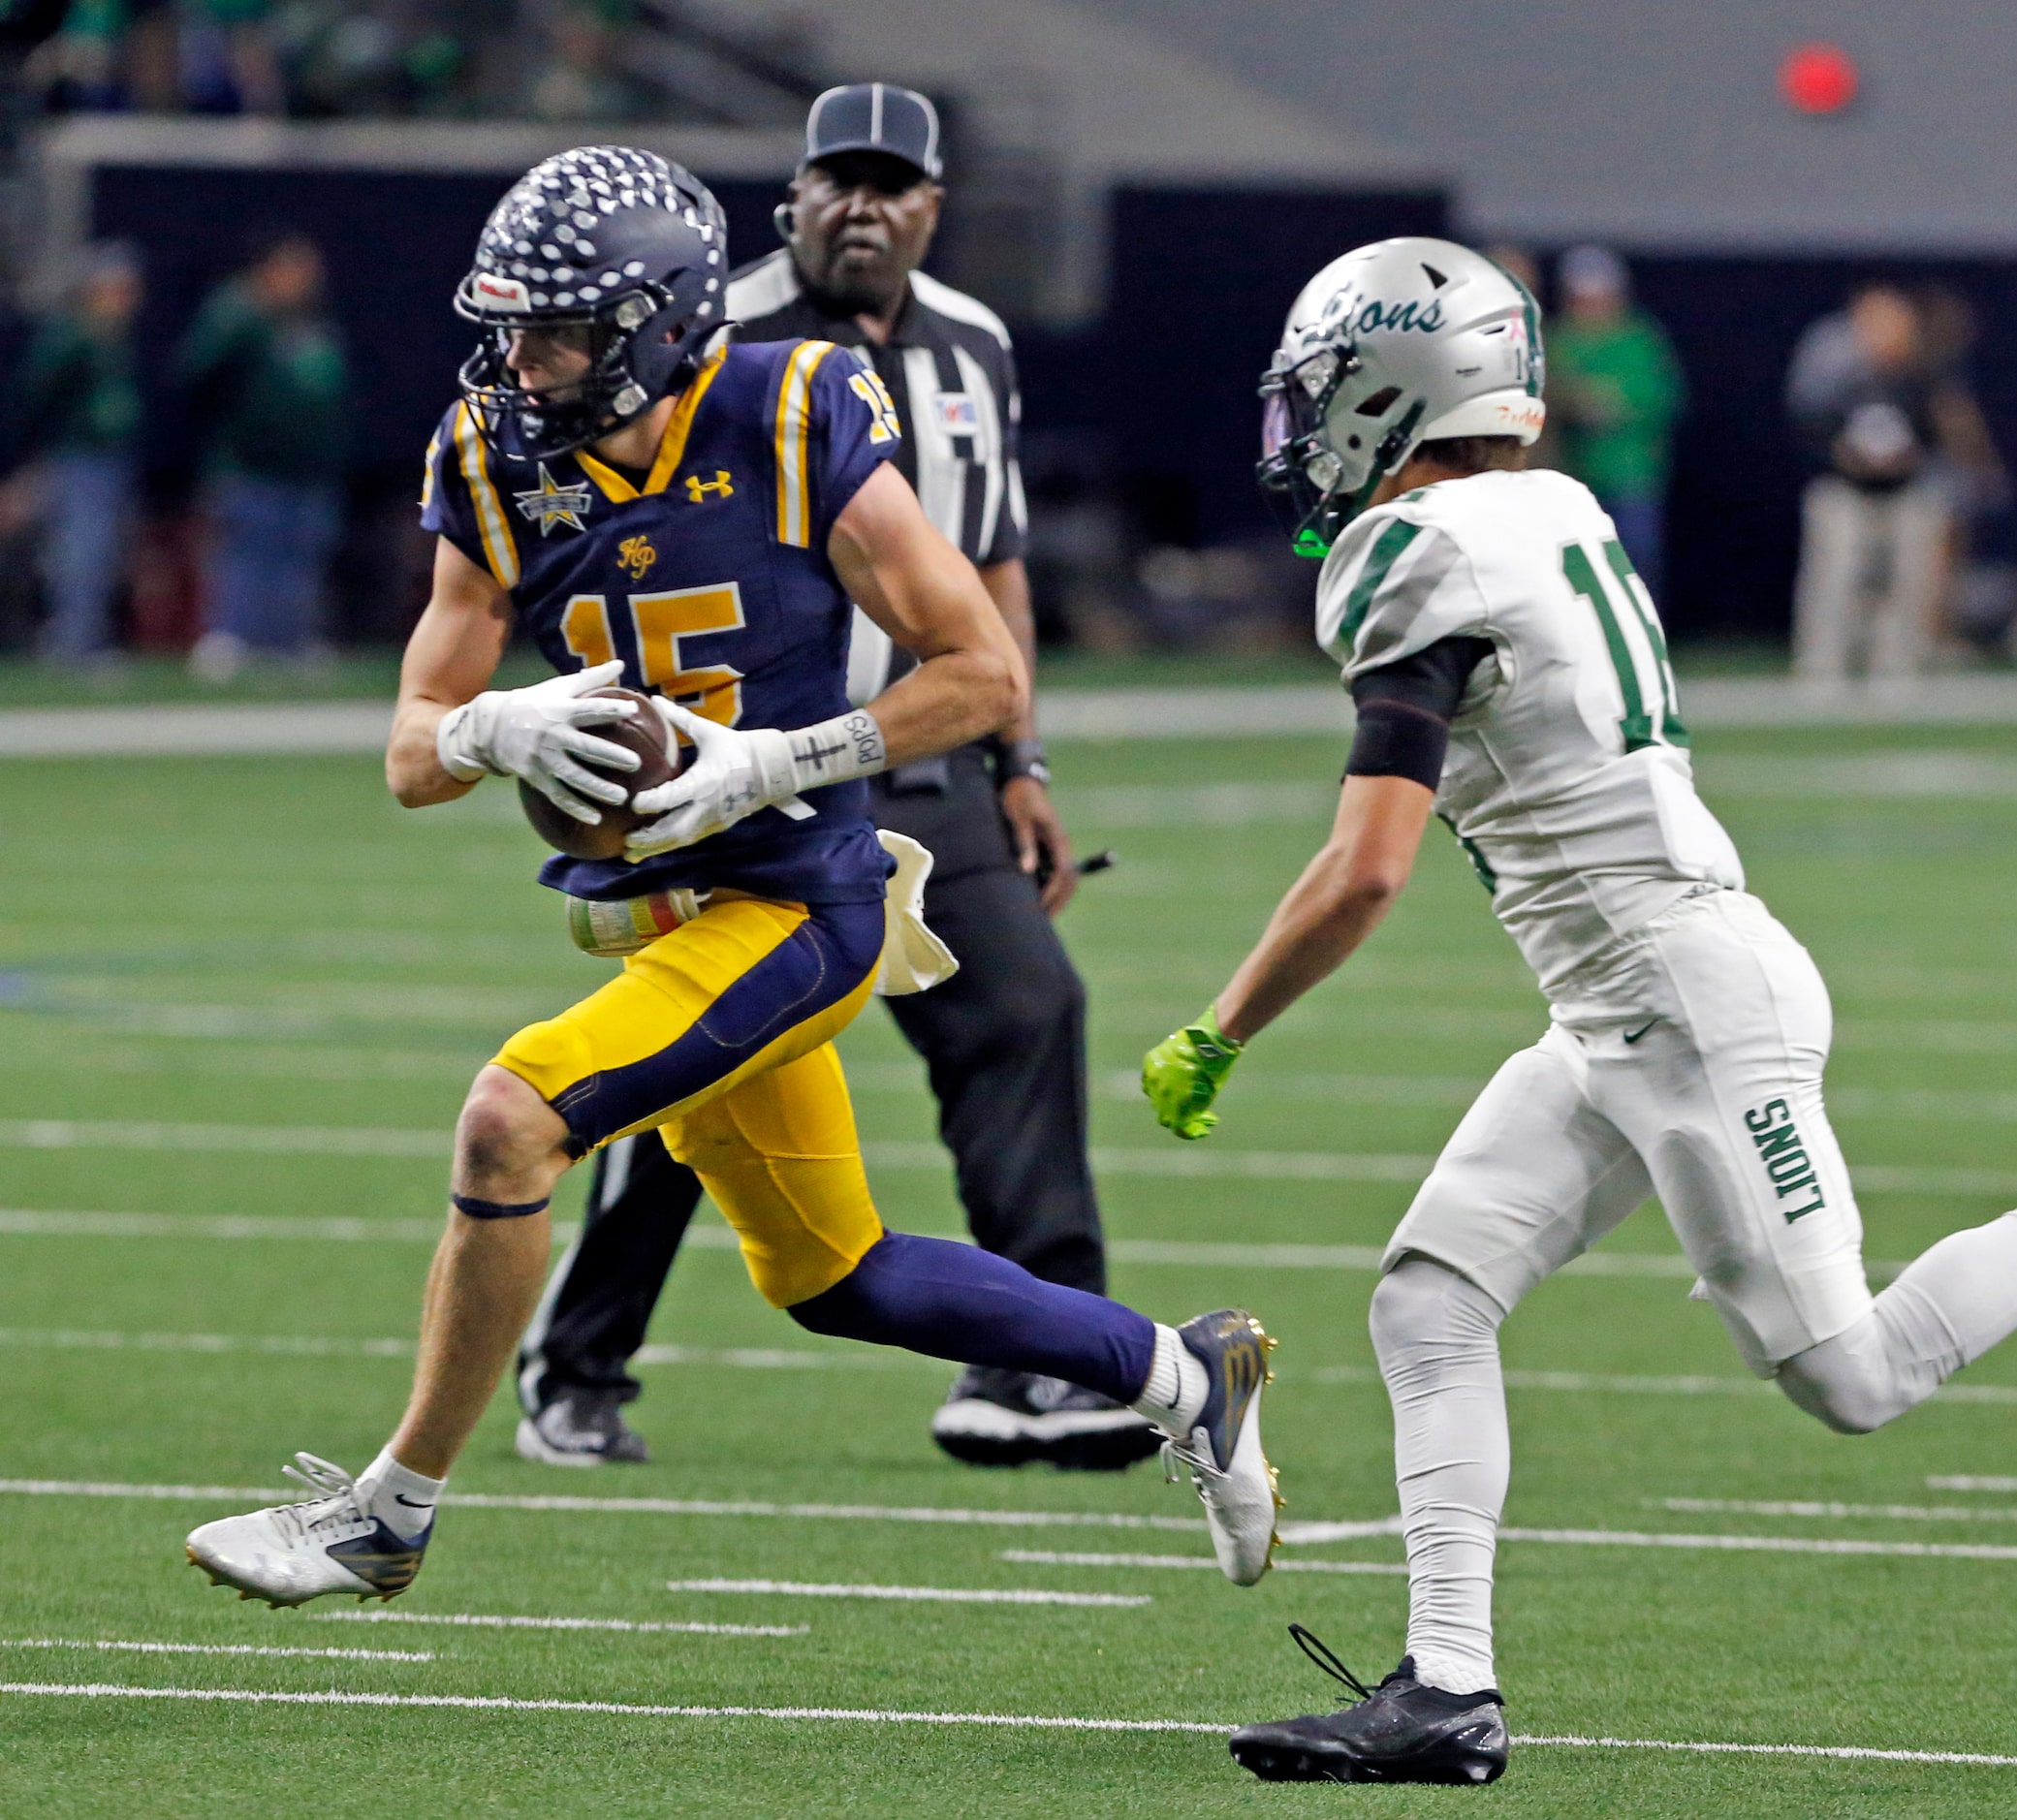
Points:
(1302, 1533)
(501, 1621)
(308, 1345)
(114, 1133)
(64, 1134)
(213, 1649)
(69, 1223)
(1764, 1545)
(922, 1595)
(1962, 1107)
(869, 1715)
(647, 1506)
(182, 730)
(1802, 1507)
(866, 1358)
(1048, 1557)
(1970, 1482)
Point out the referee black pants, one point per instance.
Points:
(1004, 1043)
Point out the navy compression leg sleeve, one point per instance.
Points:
(957, 1302)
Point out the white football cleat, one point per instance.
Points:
(289, 1554)
(1223, 1450)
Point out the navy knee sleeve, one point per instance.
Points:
(957, 1302)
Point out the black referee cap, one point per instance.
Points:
(875, 116)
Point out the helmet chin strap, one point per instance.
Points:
(1329, 517)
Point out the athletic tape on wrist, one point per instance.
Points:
(832, 751)
(497, 1209)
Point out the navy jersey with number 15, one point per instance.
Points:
(709, 577)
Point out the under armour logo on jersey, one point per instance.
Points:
(697, 490)
(636, 555)
(547, 505)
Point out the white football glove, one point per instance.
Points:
(536, 734)
(735, 772)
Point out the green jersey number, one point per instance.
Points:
(1651, 715)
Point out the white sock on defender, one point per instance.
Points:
(1175, 1395)
(402, 1499)
(1948, 1307)
(1437, 1338)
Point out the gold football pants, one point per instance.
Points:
(720, 1035)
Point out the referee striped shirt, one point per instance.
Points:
(949, 368)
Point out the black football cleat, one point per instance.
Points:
(993, 1417)
(580, 1428)
(1398, 1732)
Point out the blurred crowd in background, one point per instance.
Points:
(263, 375)
(209, 486)
(602, 60)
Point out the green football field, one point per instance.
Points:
(240, 1002)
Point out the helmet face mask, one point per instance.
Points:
(617, 241)
(1390, 346)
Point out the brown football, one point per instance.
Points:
(644, 733)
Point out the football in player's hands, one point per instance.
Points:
(659, 761)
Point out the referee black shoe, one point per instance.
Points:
(580, 1428)
(1398, 1732)
(993, 1417)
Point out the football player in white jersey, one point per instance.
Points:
(1510, 675)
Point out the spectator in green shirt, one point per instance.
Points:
(79, 415)
(266, 376)
(1615, 388)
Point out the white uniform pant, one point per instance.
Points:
(1685, 1061)
(1871, 569)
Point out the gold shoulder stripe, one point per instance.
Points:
(499, 550)
(794, 433)
(428, 471)
(671, 445)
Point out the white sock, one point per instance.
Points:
(1436, 1336)
(1948, 1307)
(402, 1499)
(1174, 1397)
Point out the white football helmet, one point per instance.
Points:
(1391, 346)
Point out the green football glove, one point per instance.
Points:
(1182, 1075)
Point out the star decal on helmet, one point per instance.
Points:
(549, 505)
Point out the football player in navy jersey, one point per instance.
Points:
(694, 517)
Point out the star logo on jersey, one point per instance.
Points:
(547, 505)
(636, 555)
(698, 490)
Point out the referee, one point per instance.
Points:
(1004, 1039)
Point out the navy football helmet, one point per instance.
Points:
(620, 241)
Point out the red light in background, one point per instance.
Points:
(1818, 78)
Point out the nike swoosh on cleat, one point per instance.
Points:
(1631, 1036)
(400, 1497)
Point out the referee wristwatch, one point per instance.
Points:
(1020, 758)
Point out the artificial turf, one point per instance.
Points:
(197, 954)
